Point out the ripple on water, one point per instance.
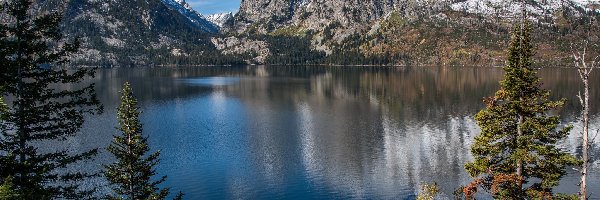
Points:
(211, 81)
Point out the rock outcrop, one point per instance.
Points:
(414, 31)
(257, 51)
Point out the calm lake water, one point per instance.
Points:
(316, 132)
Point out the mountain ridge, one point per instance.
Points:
(136, 33)
(473, 31)
(192, 15)
(339, 32)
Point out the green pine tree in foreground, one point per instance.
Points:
(33, 58)
(131, 174)
(7, 191)
(516, 155)
(6, 186)
(3, 109)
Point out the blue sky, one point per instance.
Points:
(207, 7)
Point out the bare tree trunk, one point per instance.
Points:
(131, 172)
(586, 124)
(584, 70)
(520, 162)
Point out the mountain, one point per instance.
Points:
(137, 32)
(345, 32)
(194, 17)
(412, 32)
(269, 15)
(220, 19)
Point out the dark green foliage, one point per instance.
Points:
(6, 186)
(179, 196)
(7, 190)
(131, 174)
(294, 50)
(3, 109)
(32, 53)
(289, 50)
(515, 154)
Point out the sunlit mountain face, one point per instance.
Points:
(412, 32)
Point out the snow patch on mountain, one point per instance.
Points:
(220, 19)
(197, 19)
(508, 9)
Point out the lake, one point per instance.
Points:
(317, 132)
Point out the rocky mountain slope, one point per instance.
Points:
(414, 31)
(266, 15)
(137, 32)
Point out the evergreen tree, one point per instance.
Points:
(515, 154)
(33, 56)
(3, 110)
(7, 191)
(133, 170)
(6, 186)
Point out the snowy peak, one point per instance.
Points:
(220, 19)
(507, 9)
(185, 4)
(194, 17)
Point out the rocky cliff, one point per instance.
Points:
(267, 15)
(414, 31)
(315, 14)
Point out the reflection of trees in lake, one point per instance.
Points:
(354, 130)
(404, 123)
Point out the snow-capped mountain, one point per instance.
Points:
(193, 16)
(507, 9)
(415, 31)
(474, 32)
(316, 14)
(220, 19)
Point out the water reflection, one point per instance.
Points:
(317, 132)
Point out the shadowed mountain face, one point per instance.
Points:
(132, 32)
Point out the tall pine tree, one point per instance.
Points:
(7, 191)
(132, 173)
(516, 155)
(3, 111)
(6, 186)
(33, 58)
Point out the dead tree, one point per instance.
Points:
(585, 68)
